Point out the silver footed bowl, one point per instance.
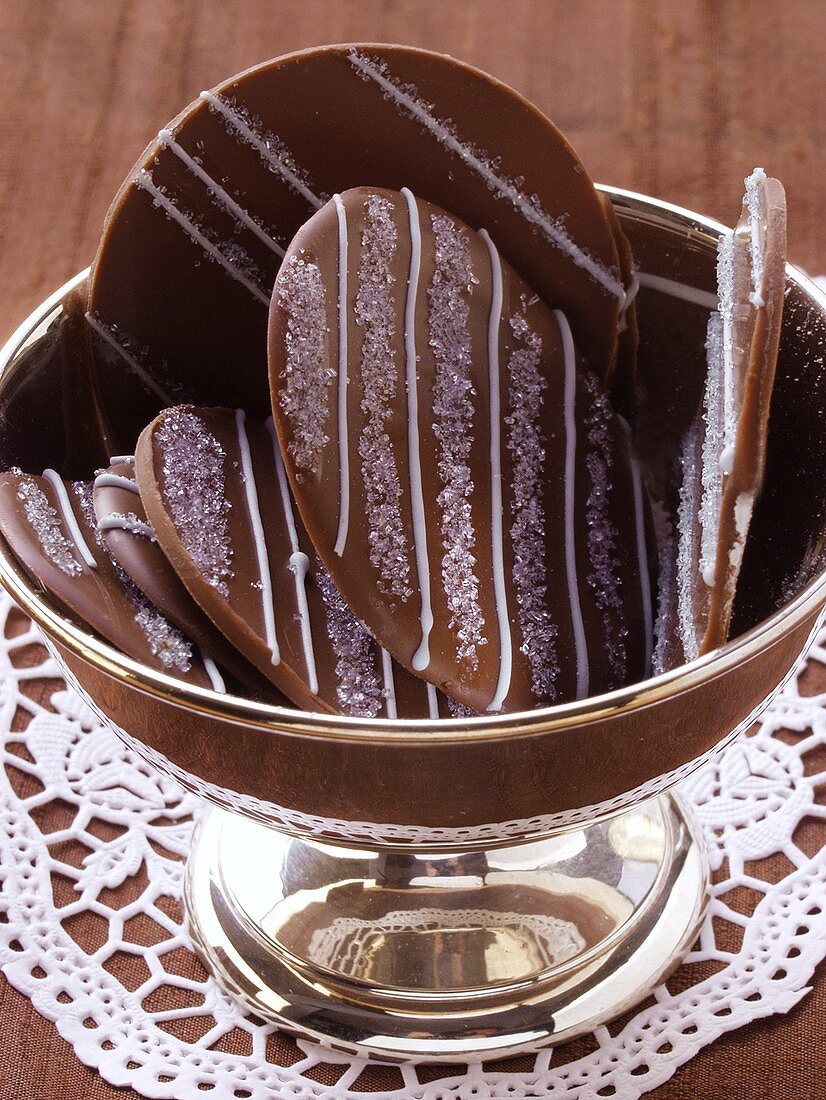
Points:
(467, 888)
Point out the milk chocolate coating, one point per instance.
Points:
(505, 604)
(77, 570)
(724, 452)
(756, 338)
(190, 251)
(210, 485)
(135, 549)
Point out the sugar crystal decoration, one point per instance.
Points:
(249, 130)
(195, 492)
(360, 691)
(453, 394)
(229, 255)
(713, 449)
(305, 395)
(686, 575)
(43, 520)
(375, 313)
(526, 444)
(407, 100)
(605, 577)
(165, 641)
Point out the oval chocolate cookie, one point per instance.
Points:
(463, 477)
(51, 527)
(724, 452)
(193, 241)
(216, 493)
(123, 524)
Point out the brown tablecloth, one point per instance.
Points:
(678, 98)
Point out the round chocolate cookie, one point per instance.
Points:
(51, 527)
(724, 452)
(461, 474)
(131, 541)
(216, 493)
(193, 241)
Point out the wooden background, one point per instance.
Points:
(676, 98)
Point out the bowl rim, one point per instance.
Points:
(288, 721)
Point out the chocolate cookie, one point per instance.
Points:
(194, 239)
(214, 488)
(460, 472)
(724, 452)
(50, 525)
(131, 541)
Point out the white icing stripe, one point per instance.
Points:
(258, 535)
(144, 180)
(118, 522)
(497, 532)
(299, 564)
(343, 440)
(389, 684)
(167, 139)
(432, 702)
(116, 481)
(121, 460)
(267, 153)
(215, 677)
(674, 289)
(421, 658)
(642, 564)
(108, 337)
(56, 482)
(582, 667)
(498, 184)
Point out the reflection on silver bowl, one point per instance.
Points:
(451, 888)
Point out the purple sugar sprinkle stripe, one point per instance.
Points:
(375, 313)
(526, 444)
(359, 691)
(407, 99)
(161, 199)
(569, 403)
(497, 532)
(448, 317)
(269, 147)
(259, 538)
(304, 397)
(43, 520)
(605, 577)
(109, 337)
(194, 488)
(218, 193)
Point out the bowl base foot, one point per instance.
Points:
(451, 956)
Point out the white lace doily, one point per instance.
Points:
(91, 849)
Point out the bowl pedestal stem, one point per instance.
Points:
(447, 955)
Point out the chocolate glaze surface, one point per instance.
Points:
(463, 477)
(724, 451)
(197, 231)
(50, 525)
(217, 497)
(123, 524)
